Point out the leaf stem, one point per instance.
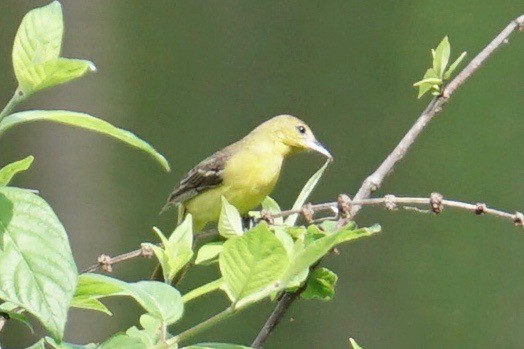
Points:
(201, 326)
(18, 96)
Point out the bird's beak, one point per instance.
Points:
(316, 146)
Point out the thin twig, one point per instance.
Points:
(374, 181)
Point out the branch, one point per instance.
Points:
(374, 181)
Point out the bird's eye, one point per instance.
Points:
(301, 129)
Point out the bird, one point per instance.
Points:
(244, 173)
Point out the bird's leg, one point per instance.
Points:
(248, 222)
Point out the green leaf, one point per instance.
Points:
(84, 121)
(305, 256)
(64, 345)
(176, 251)
(304, 194)
(426, 84)
(454, 65)
(38, 271)
(251, 262)
(159, 299)
(36, 51)
(216, 346)
(320, 285)
(354, 344)
(270, 205)
(123, 341)
(9, 171)
(51, 73)
(285, 238)
(202, 290)
(208, 253)
(229, 222)
(441, 57)
(90, 304)
(38, 345)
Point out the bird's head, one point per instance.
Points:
(292, 134)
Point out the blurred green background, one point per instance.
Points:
(192, 76)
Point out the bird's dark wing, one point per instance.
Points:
(206, 175)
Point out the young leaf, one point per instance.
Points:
(251, 262)
(123, 341)
(426, 84)
(229, 222)
(202, 290)
(84, 121)
(9, 171)
(64, 345)
(270, 205)
(441, 57)
(320, 285)
(454, 66)
(304, 194)
(158, 299)
(306, 256)
(38, 272)
(36, 51)
(208, 254)
(177, 251)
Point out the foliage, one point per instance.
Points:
(436, 75)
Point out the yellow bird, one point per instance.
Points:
(244, 172)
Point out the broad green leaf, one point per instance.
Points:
(270, 205)
(251, 262)
(320, 285)
(304, 194)
(441, 57)
(38, 271)
(202, 290)
(216, 346)
(306, 256)
(285, 238)
(159, 299)
(39, 38)
(176, 251)
(229, 222)
(9, 171)
(90, 304)
(84, 121)
(36, 51)
(454, 65)
(51, 73)
(208, 253)
(354, 344)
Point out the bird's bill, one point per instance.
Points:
(316, 146)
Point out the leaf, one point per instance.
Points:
(285, 238)
(84, 121)
(354, 344)
(454, 65)
(36, 51)
(304, 257)
(38, 345)
(441, 57)
(208, 253)
(216, 346)
(229, 222)
(158, 299)
(38, 271)
(123, 341)
(64, 345)
(9, 171)
(251, 262)
(304, 194)
(176, 251)
(270, 205)
(427, 82)
(202, 290)
(320, 285)
(54, 72)
(90, 304)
